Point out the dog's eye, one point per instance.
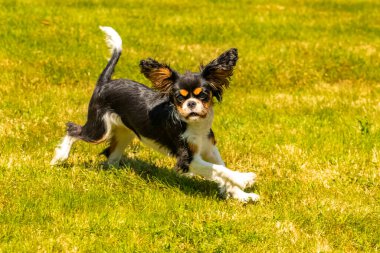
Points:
(179, 97)
(204, 96)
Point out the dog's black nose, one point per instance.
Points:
(191, 104)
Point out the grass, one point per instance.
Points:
(302, 112)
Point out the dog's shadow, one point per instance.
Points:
(151, 173)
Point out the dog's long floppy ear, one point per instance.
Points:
(161, 75)
(219, 71)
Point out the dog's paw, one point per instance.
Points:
(250, 197)
(55, 161)
(59, 157)
(109, 165)
(242, 196)
(244, 179)
(188, 175)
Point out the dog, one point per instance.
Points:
(174, 117)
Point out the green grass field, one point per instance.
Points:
(303, 112)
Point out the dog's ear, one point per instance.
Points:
(161, 75)
(219, 71)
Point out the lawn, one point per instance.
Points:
(303, 112)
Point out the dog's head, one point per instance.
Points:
(190, 92)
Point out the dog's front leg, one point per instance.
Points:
(213, 156)
(230, 182)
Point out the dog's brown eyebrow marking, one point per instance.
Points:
(196, 91)
(183, 92)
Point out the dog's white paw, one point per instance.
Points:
(250, 197)
(54, 161)
(242, 196)
(187, 174)
(59, 156)
(243, 179)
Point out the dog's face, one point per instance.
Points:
(192, 93)
(192, 96)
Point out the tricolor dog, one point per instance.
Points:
(175, 117)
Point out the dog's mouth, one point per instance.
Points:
(195, 115)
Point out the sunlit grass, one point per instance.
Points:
(302, 112)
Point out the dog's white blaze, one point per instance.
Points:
(113, 39)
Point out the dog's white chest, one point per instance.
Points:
(198, 142)
(197, 135)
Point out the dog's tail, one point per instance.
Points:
(114, 42)
(73, 130)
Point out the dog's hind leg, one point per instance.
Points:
(121, 138)
(94, 131)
